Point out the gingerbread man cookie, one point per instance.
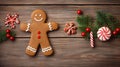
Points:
(39, 29)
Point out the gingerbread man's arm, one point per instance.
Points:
(51, 26)
(25, 26)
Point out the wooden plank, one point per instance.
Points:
(69, 52)
(60, 2)
(60, 14)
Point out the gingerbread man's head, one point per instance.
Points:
(38, 16)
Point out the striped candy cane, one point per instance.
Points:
(91, 39)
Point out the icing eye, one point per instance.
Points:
(40, 15)
(35, 14)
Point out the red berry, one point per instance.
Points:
(7, 31)
(114, 33)
(8, 35)
(83, 34)
(12, 38)
(117, 29)
(88, 29)
(79, 12)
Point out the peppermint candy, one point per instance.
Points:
(11, 20)
(104, 33)
(70, 28)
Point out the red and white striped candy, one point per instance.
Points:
(104, 33)
(70, 28)
(91, 39)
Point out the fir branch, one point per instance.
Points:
(102, 19)
(105, 19)
(3, 35)
(84, 22)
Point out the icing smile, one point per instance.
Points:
(38, 19)
(38, 15)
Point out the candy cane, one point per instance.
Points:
(91, 39)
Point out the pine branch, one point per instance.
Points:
(102, 19)
(84, 22)
(3, 35)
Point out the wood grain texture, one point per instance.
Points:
(59, 14)
(60, 2)
(69, 52)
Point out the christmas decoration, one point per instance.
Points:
(107, 20)
(85, 23)
(70, 28)
(91, 39)
(104, 27)
(6, 34)
(12, 20)
(7, 31)
(12, 38)
(79, 12)
(83, 34)
(117, 30)
(114, 32)
(104, 33)
(88, 29)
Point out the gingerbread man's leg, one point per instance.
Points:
(32, 47)
(46, 48)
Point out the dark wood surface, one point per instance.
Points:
(60, 2)
(70, 51)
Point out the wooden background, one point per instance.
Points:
(70, 51)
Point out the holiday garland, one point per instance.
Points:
(104, 27)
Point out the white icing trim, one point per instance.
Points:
(50, 26)
(46, 49)
(31, 49)
(28, 27)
